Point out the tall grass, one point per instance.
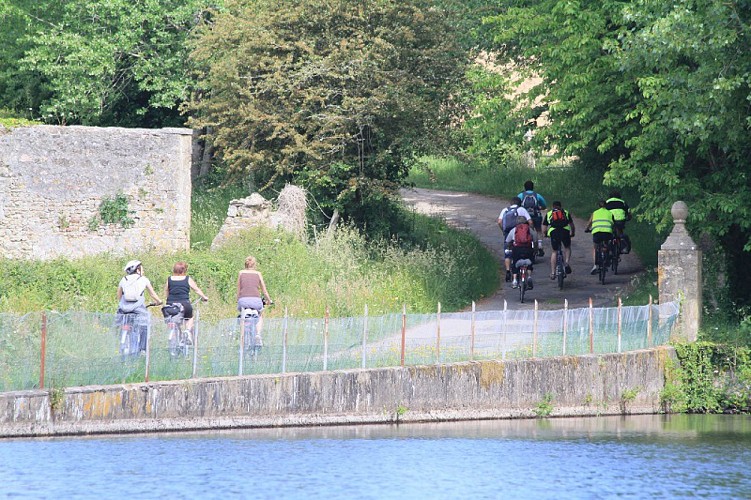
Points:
(343, 273)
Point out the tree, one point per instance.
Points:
(657, 93)
(99, 62)
(336, 95)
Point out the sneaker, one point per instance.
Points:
(568, 269)
(515, 284)
(594, 270)
(553, 277)
(508, 276)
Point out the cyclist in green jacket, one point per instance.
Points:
(620, 210)
(601, 225)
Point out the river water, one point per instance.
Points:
(598, 457)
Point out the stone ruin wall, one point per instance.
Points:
(53, 180)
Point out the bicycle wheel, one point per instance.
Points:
(173, 342)
(615, 257)
(603, 262)
(522, 284)
(560, 270)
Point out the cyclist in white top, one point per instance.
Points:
(507, 220)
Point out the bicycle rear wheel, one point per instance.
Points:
(522, 284)
(560, 270)
(603, 263)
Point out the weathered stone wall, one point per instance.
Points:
(582, 385)
(53, 180)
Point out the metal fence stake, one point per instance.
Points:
(620, 322)
(438, 335)
(43, 350)
(534, 332)
(364, 336)
(472, 334)
(505, 329)
(591, 327)
(404, 332)
(326, 340)
(284, 343)
(565, 325)
(196, 323)
(649, 323)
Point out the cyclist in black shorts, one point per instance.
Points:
(559, 227)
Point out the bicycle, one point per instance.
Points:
(615, 252)
(603, 259)
(560, 266)
(522, 266)
(133, 334)
(251, 339)
(179, 341)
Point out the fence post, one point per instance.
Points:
(438, 335)
(364, 335)
(148, 351)
(284, 342)
(620, 323)
(326, 340)
(505, 328)
(591, 327)
(534, 333)
(242, 344)
(649, 323)
(565, 325)
(404, 331)
(196, 323)
(43, 350)
(472, 333)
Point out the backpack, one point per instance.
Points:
(509, 219)
(530, 203)
(558, 218)
(523, 236)
(133, 288)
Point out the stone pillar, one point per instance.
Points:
(679, 274)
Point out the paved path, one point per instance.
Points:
(479, 214)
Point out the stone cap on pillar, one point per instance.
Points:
(679, 239)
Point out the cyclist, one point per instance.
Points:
(521, 239)
(560, 229)
(177, 289)
(130, 297)
(250, 285)
(507, 220)
(620, 210)
(535, 204)
(601, 225)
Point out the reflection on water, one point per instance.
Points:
(638, 456)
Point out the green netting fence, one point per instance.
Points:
(52, 349)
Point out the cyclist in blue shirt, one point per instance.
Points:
(535, 204)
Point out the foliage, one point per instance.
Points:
(334, 95)
(709, 378)
(113, 210)
(545, 407)
(654, 92)
(9, 119)
(94, 62)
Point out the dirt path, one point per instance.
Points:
(479, 214)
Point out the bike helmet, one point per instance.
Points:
(132, 266)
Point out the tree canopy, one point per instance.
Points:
(336, 95)
(655, 92)
(98, 62)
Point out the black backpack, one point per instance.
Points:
(530, 203)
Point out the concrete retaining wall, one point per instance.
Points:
(582, 385)
(53, 181)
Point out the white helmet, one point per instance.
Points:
(132, 266)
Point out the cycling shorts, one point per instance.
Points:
(598, 238)
(558, 236)
(619, 224)
(537, 222)
(250, 303)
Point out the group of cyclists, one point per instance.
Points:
(251, 293)
(524, 226)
